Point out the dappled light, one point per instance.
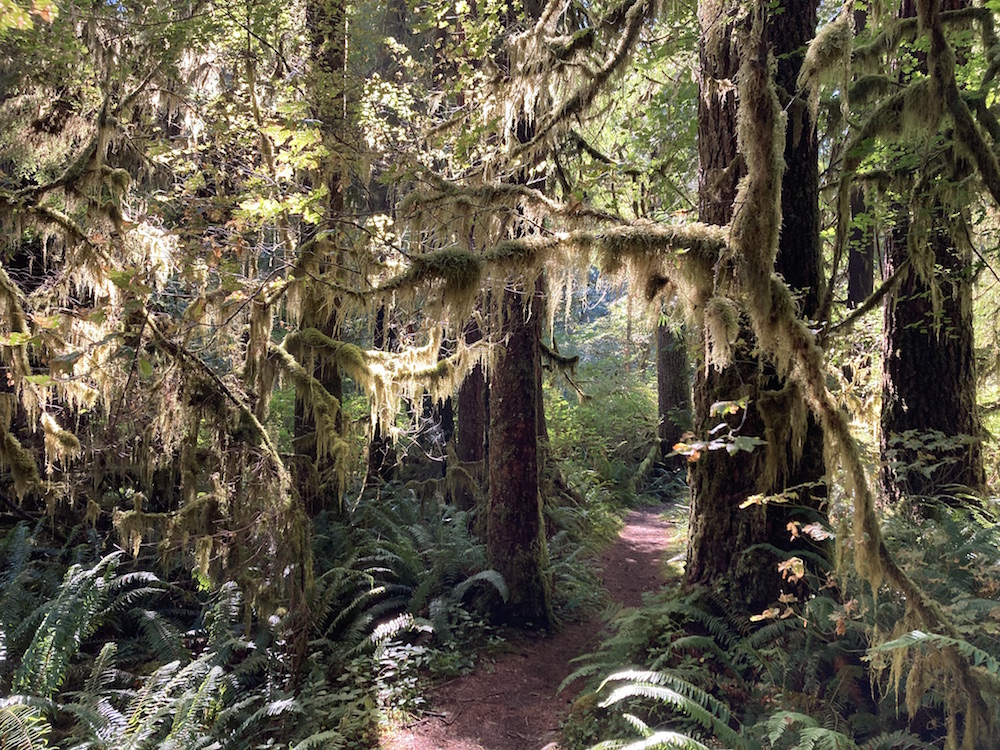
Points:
(499, 375)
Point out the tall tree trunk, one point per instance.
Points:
(320, 476)
(515, 524)
(719, 483)
(860, 252)
(515, 535)
(930, 430)
(720, 532)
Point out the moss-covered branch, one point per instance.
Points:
(941, 62)
(490, 196)
(894, 31)
(873, 301)
(191, 360)
(635, 13)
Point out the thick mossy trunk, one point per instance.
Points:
(930, 437)
(930, 431)
(718, 483)
(720, 532)
(319, 476)
(723, 547)
(515, 531)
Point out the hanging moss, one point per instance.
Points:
(722, 328)
(785, 415)
(23, 469)
(828, 58)
(59, 443)
(459, 271)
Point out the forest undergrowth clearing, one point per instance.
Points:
(511, 702)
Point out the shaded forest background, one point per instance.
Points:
(337, 337)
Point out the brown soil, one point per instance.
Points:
(511, 703)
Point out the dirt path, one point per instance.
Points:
(512, 704)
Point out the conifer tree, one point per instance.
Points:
(723, 546)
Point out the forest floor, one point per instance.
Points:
(511, 702)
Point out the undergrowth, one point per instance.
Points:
(99, 652)
(837, 667)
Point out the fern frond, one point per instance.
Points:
(821, 738)
(662, 740)
(74, 613)
(490, 576)
(703, 643)
(161, 635)
(331, 737)
(22, 726)
(687, 689)
(781, 721)
(651, 685)
(717, 627)
(898, 740)
(191, 716)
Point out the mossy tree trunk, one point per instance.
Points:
(930, 430)
(319, 477)
(515, 523)
(515, 529)
(860, 252)
(718, 483)
(722, 550)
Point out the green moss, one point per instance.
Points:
(23, 468)
(458, 268)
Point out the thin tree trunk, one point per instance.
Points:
(470, 448)
(860, 252)
(673, 388)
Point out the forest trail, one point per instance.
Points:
(511, 703)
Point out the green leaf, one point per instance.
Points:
(17, 339)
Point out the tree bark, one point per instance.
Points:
(860, 252)
(515, 531)
(470, 448)
(515, 524)
(319, 478)
(930, 436)
(722, 546)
